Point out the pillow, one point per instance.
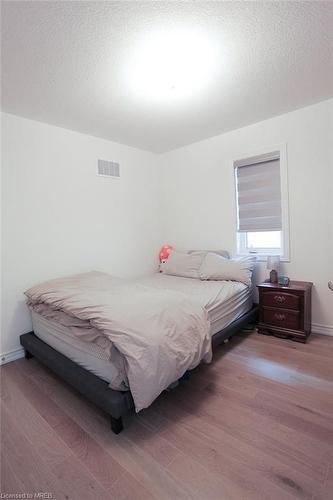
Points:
(223, 253)
(215, 267)
(183, 264)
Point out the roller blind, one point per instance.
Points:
(259, 193)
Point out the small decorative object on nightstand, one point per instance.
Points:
(285, 311)
(283, 280)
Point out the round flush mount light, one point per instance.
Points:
(171, 65)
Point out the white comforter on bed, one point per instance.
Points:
(161, 333)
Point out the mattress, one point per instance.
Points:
(225, 301)
(89, 355)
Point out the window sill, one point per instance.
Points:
(262, 257)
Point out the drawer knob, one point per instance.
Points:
(280, 316)
(279, 298)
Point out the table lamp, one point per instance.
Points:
(273, 262)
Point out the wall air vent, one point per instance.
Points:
(108, 169)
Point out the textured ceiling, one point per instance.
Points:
(66, 63)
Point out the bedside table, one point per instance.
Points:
(285, 311)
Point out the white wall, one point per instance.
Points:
(198, 202)
(60, 218)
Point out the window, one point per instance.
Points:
(261, 198)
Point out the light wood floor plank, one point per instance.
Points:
(140, 462)
(256, 424)
(78, 442)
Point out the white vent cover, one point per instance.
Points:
(108, 168)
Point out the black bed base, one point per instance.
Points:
(115, 403)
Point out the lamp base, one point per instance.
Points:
(273, 276)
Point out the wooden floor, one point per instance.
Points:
(255, 424)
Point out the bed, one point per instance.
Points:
(99, 371)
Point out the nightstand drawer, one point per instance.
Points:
(280, 299)
(281, 317)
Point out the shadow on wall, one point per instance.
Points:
(21, 316)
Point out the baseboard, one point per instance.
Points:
(9, 356)
(322, 329)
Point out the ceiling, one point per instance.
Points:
(93, 66)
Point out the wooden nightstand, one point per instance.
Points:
(285, 311)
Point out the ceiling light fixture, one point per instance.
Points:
(171, 65)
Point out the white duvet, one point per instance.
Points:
(161, 332)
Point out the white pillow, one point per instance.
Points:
(183, 264)
(223, 253)
(215, 267)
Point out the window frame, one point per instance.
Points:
(243, 249)
(240, 243)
